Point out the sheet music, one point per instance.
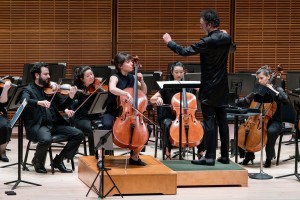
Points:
(17, 114)
(162, 83)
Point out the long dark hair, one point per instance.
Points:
(37, 68)
(79, 74)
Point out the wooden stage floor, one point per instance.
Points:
(158, 177)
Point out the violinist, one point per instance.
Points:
(264, 76)
(84, 79)
(162, 98)
(117, 83)
(5, 131)
(213, 95)
(43, 119)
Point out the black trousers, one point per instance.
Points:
(5, 131)
(44, 140)
(213, 117)
(86, 127)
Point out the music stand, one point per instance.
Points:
(179, 85)
(262, 98)
(15, 102)
(295, 101)
(98, 106)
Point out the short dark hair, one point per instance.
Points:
(37, 68)
(211, 16)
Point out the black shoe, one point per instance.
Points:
(139, 162)
(59, 164)
(4, 158)
(248, 159)
(267, 164)
(204, 161)
(224, 160)
(39, 168)
(99, 164)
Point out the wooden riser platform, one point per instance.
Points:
(154, 178)
(219, 175)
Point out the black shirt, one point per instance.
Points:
(123, 82)
(213, 49)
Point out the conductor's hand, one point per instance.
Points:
(167, 38)
(73, 91)
(44, 103)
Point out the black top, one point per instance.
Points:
(214, 50)
(123, 82)
(82, 112)
(3, 106)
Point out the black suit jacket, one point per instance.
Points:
(213, 49)
(33, 113)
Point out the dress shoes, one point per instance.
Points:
(267, 164)
(61, 167)
(224, 160)
(59, 164)
(204, 161)
(39, 168)
(4, 158)
(138, 162)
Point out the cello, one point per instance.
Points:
(129, 129)
(250, 132)
(191, 130)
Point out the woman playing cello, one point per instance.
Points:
(264, 77)
(163, 98)
(117, 83)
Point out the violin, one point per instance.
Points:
(96, 86)
(250, 132)
(129, 129)
(191, 130)
(4, 79)
(63, 89)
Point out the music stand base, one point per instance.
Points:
(9, 165)
(183, 152)
(261, 176)
(19, 181)
(296, 174)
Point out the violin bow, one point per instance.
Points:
(55, 92)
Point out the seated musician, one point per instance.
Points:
(117, 83)
(163, 98)
(43, 119)
(5, 132)
(85, 80)
(264, 77)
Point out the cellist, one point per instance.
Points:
(162, 98)
(264, 76)
(117, 83)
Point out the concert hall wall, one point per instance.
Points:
(90, 32)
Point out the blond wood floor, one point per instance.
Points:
(68, 186)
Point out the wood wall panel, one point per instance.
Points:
(266, 33)
(77, 32)
(141, 25)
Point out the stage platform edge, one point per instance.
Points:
(154, 178)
